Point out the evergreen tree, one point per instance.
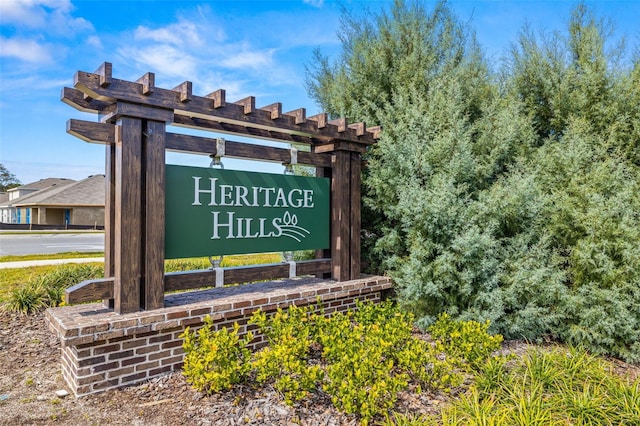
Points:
(513, 199)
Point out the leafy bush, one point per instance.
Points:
(360, 358)
(47, 290)
(560, 386)
(215, 360)
(285, 360)
(468, 340)
(509, 195)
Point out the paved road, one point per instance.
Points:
(28, 243)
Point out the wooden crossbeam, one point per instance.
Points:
(248, 104)
(148, 82)
(218, 97)
(92, 290)
(104, 71)
(358, 127)
(320, 119)
(341, 124)
(299, 115)
(185, 90)
(274, 109)
(104, 88)
(104, 133)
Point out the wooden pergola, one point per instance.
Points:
(133, 118)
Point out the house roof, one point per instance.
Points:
(43, 183)
(86, 192)
(4, 198)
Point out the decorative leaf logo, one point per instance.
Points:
(291, 229)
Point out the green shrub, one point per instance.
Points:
(361, 358)
(26, 299)
(215, 360)
(290, 335)
(47, 290)
(546, 387)
(467, 340)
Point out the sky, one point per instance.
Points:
(249, 48)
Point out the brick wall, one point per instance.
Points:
(103, 350)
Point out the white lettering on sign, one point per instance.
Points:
(256, 196)
(248, 227)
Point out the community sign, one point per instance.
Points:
(211, 212)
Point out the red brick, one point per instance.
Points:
(108, 348)
(134, 377)
(132, 361)
(91, 361)
(121, 354)
(177, 315)
(147, 349)
(161, 370)
(147, 365)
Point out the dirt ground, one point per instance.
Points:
(30, 357)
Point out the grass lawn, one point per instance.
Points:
(13, 278)
(66, 255)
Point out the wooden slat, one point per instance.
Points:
(339, 145)
(375, 131)
(185, 90)
(340, 124)
(90, 291)
(202, 107)
(148, 82)
(274, 109)
(119, 109)
(200, 145)
(218, 97)
(154, 191)
(76, 99)
(92, 132)
(105, 73)
(358, 127)
(238, 129)
(105, 133)
(248, 104)
(206, 278)
(320, 119)
(128, 216)
(299, 115)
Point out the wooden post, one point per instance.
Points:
(345, 210)
(109, 215)
(356, 215)
(136, 232)
(153, 232)
(128, 215)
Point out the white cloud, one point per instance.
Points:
(248, 59)
(49, 15)
(314, 3)
(178, 34)
(95, 42)
(25, 50)
(162, 58)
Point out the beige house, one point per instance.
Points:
(56, 202)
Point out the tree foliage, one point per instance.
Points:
(509, 195)
(7, 179)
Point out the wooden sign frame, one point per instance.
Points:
(133, 116)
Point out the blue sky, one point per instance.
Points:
(257, 48)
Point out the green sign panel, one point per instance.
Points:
(212, 212)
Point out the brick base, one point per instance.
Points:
(103, 350)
